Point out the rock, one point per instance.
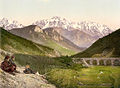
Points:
(21, 80)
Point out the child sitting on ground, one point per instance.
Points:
(28, 70)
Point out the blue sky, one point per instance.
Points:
(27, 11)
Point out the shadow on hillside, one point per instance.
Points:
(42, 64)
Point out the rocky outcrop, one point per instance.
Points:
(21, 80)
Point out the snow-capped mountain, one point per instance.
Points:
(91, 28)
(53, 22)
(82, 34)
(9, 25)
(94, 29)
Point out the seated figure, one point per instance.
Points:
(12, 64)
(28, 70)
(8, 65)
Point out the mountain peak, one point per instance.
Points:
(92, 28)
(8, 25)
(56, 17)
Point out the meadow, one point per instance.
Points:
(79, 77)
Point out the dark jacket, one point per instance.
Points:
(6, 66)
(28, 71)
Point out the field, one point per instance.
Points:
(93, 77)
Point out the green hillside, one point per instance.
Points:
(16, 44)
(63, 51)
(108, 46)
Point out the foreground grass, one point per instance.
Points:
(93, 77)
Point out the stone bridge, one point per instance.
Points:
(98, 61)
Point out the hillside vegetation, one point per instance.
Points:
(16, 44)
(108, 46)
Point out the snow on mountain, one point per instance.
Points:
(91, 28)
(54, 22)
(94, 29)
(9, 25)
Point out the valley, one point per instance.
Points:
(50, 52)
(59, 43)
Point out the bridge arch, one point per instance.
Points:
(98, 61)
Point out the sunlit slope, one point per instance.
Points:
(16, 44)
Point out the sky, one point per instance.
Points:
(28, 11)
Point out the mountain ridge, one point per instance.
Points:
(85, 26)
(47, 38)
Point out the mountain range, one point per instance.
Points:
(92, 28)
(82, 34)
(8, 25)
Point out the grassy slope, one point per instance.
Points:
(108, 46)
(54, 45)
(15, 44)
(59, 48)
